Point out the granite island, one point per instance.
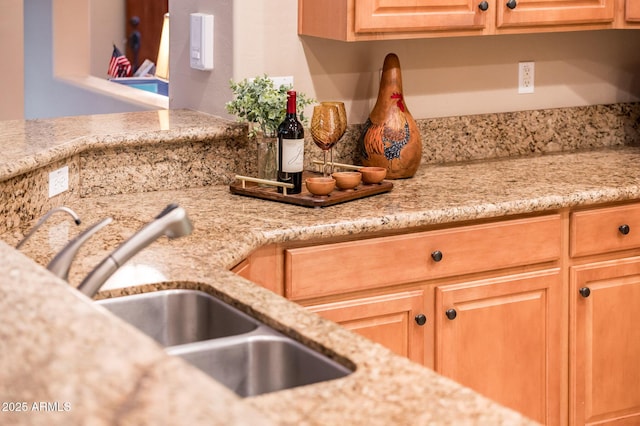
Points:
(58, 347)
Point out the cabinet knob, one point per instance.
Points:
(421, 319)
(624, 229)
(436, 255)
(483, 6)
(511, 4)
(585, 292)
(451, 314)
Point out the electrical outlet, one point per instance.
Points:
(282, 81)
(526, 75)
(58, 181)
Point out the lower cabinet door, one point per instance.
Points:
(502, 338)
(605, 343)
(398, 321)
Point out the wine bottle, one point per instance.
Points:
(291, 147)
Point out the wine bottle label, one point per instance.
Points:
(292, 155)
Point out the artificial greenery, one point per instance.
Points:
(258, 101)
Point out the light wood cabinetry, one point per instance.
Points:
(502, 337)
(352, 20)
(545, 13)
(604, 317)
(502, 276)
(632, 11)
(385, 261)
(395, 320)
(540, 314)
(605, 343)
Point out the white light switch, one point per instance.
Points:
(201, 42)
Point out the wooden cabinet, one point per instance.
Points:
(632, 11)
(605, 343)
(353, 20)
(502, 278)
(605, 230)
(415, 15)
(540, 314)
(396, 321)
(550, 13)
(502, 337)
(604, 316)
(409, 258)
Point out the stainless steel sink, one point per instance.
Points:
(263, 362)
(176, 317)
(235, 349)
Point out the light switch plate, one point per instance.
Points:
(201, 42)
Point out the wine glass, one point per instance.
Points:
(342, 113)
(326, 128)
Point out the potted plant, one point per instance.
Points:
(263, 105)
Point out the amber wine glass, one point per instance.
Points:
(327, 127)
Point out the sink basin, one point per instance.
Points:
(235, 349)
(260, 363)
(176, 317)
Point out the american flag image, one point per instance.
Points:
(119, 65)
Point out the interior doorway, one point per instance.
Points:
(144, 27)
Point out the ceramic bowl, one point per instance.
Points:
(347, 180)
(320, 185)
(372, 175)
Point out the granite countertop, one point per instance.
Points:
(57, 346)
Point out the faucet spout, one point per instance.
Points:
(61, 263)
(44, 218)
(172, 222)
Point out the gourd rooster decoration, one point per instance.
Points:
(390, 138)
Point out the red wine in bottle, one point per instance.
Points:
(291, 147)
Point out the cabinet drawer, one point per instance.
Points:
(357, 265)
(605, 230)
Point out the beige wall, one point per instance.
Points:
(85, 31)
(107, 19)
(12, 48)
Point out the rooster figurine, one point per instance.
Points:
(390, 138)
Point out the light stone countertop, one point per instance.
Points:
(57, 346)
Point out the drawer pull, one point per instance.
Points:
(585, 292)
(421, 319)
(511, 4)
(436, 255)
(483, 6)
(624, 229)
(451, 314)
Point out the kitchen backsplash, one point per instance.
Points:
(485, 136)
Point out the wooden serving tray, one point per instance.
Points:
(305, 198)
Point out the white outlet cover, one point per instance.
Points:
(58, 181)
(282, 81)
(526, 77)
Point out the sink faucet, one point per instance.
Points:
(61, 263)
(44, 218)
(172, 222)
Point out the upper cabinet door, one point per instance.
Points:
(419, 15)
(632, 11)
(522, 13)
